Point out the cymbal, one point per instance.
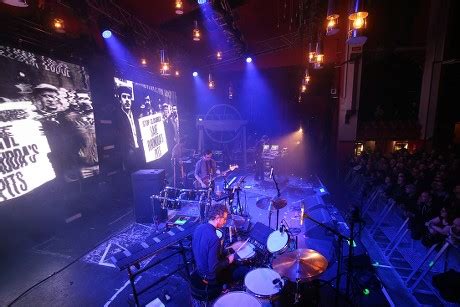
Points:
(300, 264)
(276, 203)
(234, 220)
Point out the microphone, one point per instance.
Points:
(271, 173)
(282, 228)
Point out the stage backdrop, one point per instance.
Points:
(46, 122)
(147, 119)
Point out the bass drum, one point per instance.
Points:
(237, 298)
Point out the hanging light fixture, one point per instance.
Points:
(307, 77)
(230, 91)
(357, 23)
(311, 53)
(165, 69)
(319, 57)
(219, 55)
(58, 25)
(179, 6)
(17, 3)
(303, 88)
(332, 18)
(211, 83)
(196, 32)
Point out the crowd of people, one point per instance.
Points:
(425, 185)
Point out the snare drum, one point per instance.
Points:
(247, 254)
(277, 242)
(237, 298)
(265, 284)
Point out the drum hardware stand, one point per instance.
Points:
(340, 239)
(278, 194)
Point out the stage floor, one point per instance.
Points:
(94, 280)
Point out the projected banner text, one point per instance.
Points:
(153, 136)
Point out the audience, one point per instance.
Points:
(424, 185)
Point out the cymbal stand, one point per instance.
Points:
(278, 194)
(340, 238)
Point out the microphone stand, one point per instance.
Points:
(340, 238)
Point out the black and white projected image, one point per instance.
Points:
(46, 122)
(147, 120)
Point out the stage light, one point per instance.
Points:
(307, 77)
(179, 6)
(366, 291)
(300, 129)
(196, 33)
(143, 62)
(16, 3)
(195, 74)
(303, 88)
(319, 57)
(202, 1)
(248, 59)
(219, 55)
(200, 119)
(177, 73)
(107, 34)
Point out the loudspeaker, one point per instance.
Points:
(146, 183)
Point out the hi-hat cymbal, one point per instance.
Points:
(300, 264)
(274, 203)
(234, 220)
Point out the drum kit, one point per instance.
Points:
(173, 198)
(279, 278)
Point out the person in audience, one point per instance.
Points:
(454, 232)
(438, 227)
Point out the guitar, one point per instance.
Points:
(207, 179)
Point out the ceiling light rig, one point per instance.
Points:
(179, 7)
(196, 32)
(165, 69)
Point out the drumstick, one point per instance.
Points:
(244, 243)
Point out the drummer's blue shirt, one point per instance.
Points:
(207, 251)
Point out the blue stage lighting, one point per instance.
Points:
(195, 74)
(106, 34)
(202, 1)
(248, 59)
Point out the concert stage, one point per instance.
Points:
(95, 279)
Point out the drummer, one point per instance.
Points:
(213, 266)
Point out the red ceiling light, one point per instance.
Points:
(179, 6)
